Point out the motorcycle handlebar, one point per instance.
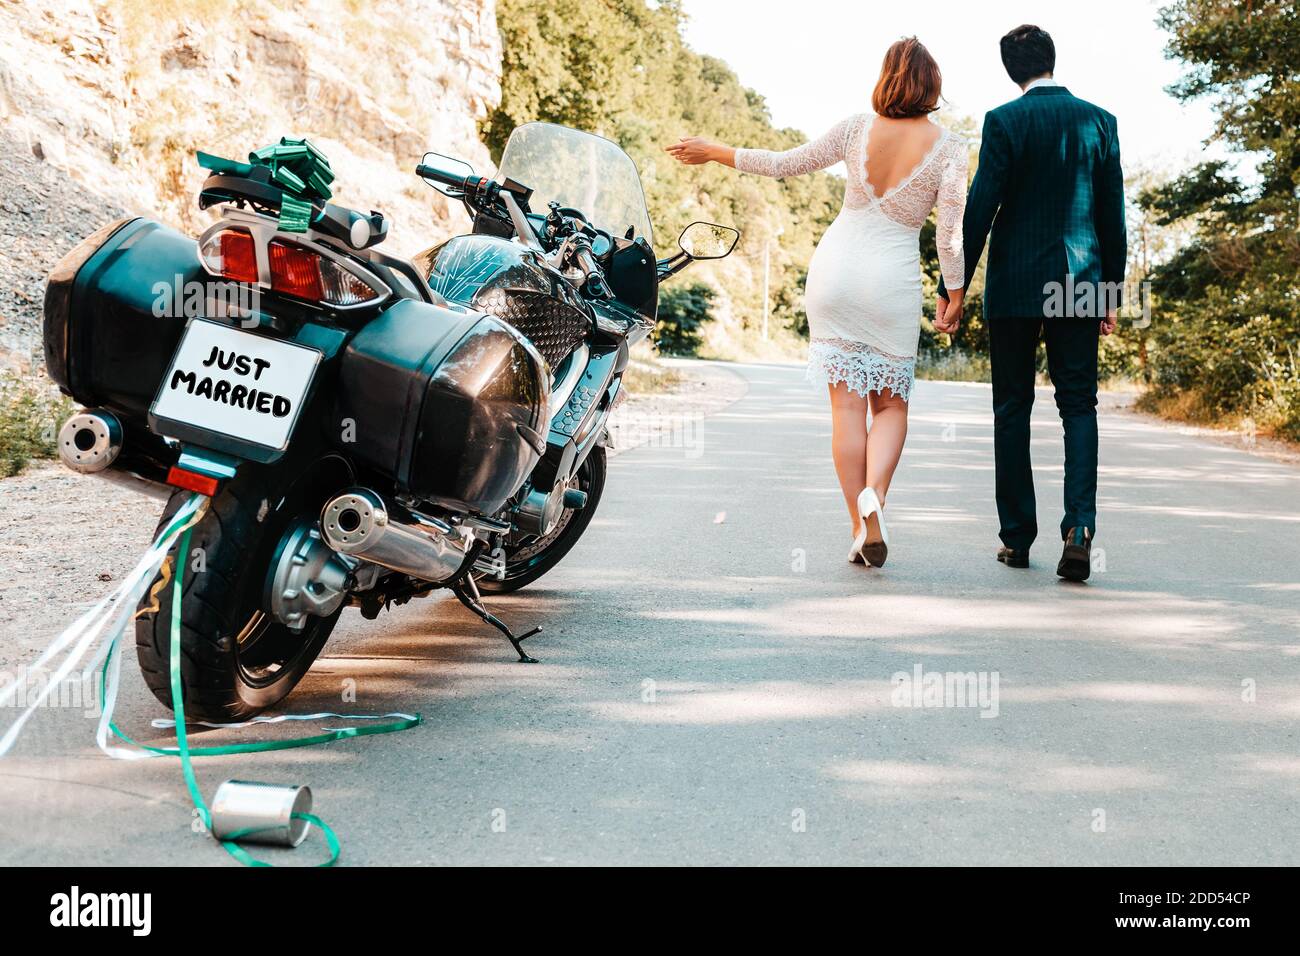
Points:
(591, 269)
(447, 179)
(478, 190)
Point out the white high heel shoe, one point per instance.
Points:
(855, 552)
(875, 538)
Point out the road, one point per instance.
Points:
(717, 685)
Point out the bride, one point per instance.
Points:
(863, 295)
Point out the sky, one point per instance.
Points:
(816, 61)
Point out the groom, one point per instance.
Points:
(1049, 184)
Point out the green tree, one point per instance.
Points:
(1228, 321)
(683, 310)
(621, 68)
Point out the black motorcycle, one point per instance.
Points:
(367, 428)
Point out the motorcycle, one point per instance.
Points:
(366, 428)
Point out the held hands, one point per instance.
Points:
(1108, 323)
(947, 311)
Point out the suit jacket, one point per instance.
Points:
(1049, 184)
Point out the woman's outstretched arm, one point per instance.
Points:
(696, 151)
(824, 151)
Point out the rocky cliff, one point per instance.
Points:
(102, 106)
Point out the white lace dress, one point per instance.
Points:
(863, 295)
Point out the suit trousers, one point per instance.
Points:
(1072, 364)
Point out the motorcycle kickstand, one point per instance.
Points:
(468, 594)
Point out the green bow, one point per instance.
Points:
(300, 170)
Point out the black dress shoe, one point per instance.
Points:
(1014, 557)
(1076, 559)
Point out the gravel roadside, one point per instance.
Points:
(43, 215)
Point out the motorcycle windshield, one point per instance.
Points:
(581, 171)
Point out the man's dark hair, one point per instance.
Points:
(1028, 52)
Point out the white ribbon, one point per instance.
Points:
(103, 623)
(164, 723)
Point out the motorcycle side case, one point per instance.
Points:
(105, 343)
(449, 404)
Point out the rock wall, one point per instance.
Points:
(102, 106)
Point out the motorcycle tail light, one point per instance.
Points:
(295, 271)
(342, 287)
(298, 271)
(231, 253)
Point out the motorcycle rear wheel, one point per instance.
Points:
(237, 660)
(530, 559)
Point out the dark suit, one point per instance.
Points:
(1049, 184)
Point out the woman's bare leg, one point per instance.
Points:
(849, 445)
(885, 442)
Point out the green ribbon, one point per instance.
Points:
(186, 752)
(300, 170)
(328, 736)
(182, 743)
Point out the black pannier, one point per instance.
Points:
(450, 404)
(111, 322)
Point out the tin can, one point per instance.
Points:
(254, 812)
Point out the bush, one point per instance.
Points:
(31, 411)
(952, 365)
(682, 313)
(1224, 336)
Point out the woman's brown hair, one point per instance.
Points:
(909, 83)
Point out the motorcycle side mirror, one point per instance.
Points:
(707, 240)
(452, 167)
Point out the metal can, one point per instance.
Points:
(252, 812)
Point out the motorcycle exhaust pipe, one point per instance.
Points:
(90, 440)
(358, 523)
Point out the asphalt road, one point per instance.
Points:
(717, 684)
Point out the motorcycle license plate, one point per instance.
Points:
(234, 383)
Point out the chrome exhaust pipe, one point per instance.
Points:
(90, 440)
(358, 523)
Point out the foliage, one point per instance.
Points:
(952, 365)
(648, 374)
(1228, 321)
(620, 68)
(682, 314)
(31, 411)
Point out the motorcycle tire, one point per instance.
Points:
(531, 558)
(237, 659)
